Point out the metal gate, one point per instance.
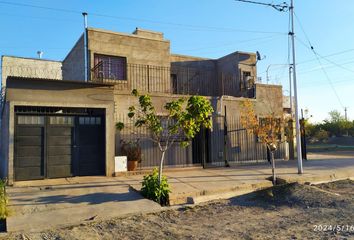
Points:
(231, 144)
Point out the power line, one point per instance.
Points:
(283, 7)
(324, 72)
(234, 42)
(325, 56)
(40, 7)
(196, 27)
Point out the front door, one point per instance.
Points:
(90, 145)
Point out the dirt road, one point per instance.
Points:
(290, 211)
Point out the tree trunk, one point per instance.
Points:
(161, 166)
(273, 169)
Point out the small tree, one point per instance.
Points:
(268, 129)
(182, 122)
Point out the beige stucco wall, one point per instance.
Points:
(30, 67)
(63, 95)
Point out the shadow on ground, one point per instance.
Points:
(90, 198)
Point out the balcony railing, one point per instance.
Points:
(172, 80)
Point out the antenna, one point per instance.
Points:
(39, 53)
(259, 57)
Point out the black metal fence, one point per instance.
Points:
(176, 156)
(172, 80)
(232, 144)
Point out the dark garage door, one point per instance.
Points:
(58, 146)
(29, 151)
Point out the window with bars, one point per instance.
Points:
(110, 67)
(245, 84)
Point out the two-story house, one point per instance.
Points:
(58, 118)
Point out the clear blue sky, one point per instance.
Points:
(208, 28)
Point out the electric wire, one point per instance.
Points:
(311, 48)
(196, 27)
(283, 7)
(324, 72)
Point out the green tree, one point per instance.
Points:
(336, 125)
(182, 122)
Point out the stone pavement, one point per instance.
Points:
(39, 205)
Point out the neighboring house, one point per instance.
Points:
(67, 128)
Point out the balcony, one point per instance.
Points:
(171, 80)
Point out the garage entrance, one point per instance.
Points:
(58, 142)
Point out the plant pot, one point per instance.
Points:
(3, 227)
(132, 165)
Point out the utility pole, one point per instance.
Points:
(290, 91)
(345, 114)
(282, 8)
(300, 169)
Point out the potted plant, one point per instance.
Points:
(4, 212)
(132, 150)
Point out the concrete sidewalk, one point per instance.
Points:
(52, 203)
(195, 186)
(65, 202)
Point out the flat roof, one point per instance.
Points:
(58, 81)
(29, 58)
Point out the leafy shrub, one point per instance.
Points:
(322, 135)
(4, 212)
(151, 188)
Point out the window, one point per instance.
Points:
(61, 120)
(110, 67)
(89, 120)
(32, 120)
(246, 80)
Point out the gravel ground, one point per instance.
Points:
(291, 211)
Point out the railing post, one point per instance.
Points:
(148, 77)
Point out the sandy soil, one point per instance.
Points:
(290, 211)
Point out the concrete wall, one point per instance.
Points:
(269, 99)
(74, 62)
(230, 68)
(149, 60)
(147, 56)
(49, 94)
(29, 67)
(137, 48)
